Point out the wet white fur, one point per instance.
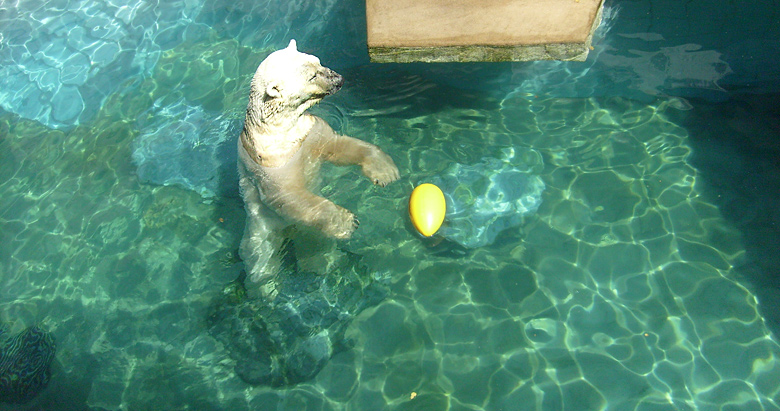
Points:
(280, 151)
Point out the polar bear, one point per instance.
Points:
(280, 151)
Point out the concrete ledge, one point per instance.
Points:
(403, 31)
(566, 52)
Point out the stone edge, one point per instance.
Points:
(488, 53)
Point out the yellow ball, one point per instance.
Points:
(427, 208)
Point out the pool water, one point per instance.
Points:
(647, 279)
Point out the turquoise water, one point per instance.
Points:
(645, 280)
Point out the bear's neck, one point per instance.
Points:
(273, 144)
(274, 115)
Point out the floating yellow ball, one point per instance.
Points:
(426, 208)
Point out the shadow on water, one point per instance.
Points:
(737, 149)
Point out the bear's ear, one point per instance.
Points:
(273, 90)
(293, 45)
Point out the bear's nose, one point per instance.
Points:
(334, 80)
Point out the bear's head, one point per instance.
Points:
(288, 82)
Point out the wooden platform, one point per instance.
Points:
(404, 31)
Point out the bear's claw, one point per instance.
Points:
(380, 169)
(343, 225)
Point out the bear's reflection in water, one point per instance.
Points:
(290, 338)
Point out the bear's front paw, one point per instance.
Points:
(380, 168)
(342, 224)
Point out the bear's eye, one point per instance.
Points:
(313, 76)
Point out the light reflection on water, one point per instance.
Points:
(623, 290)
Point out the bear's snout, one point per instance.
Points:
(333, 80)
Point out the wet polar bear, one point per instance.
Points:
(280, 150)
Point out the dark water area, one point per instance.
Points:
(737, 148)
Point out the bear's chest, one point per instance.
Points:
(273, 147)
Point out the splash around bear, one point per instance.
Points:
(281, 148)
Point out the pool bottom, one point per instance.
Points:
(622, 291)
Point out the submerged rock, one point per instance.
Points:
(25, 364)
(289, 339)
